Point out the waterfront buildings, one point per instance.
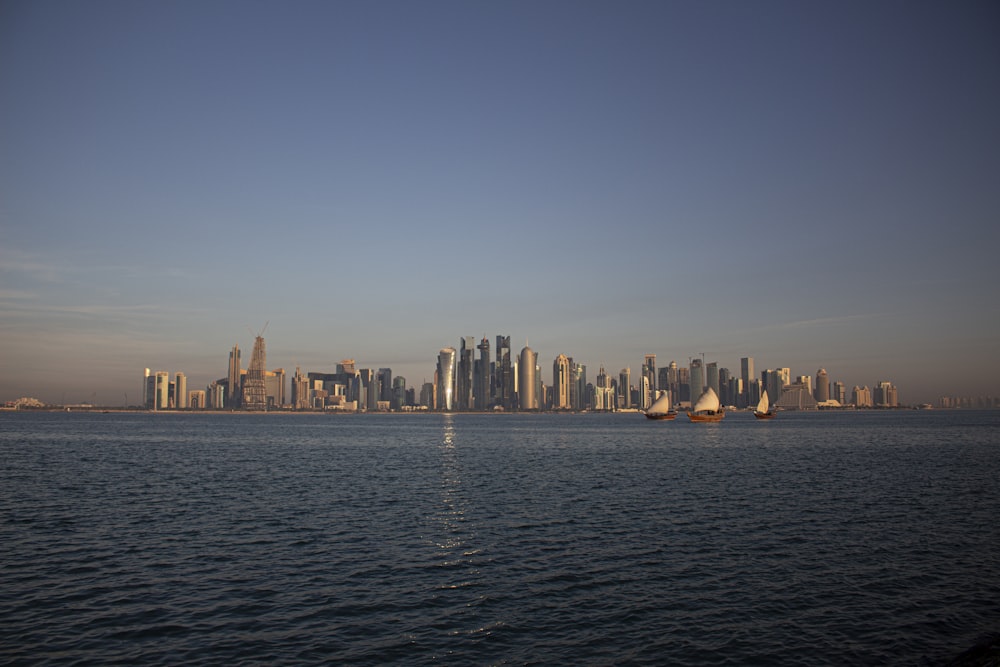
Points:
(463, 382)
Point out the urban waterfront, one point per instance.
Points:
(863, 537)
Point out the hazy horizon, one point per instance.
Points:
(811, 185)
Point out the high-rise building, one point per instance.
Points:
(578, 385)
(482, 378)
(822, 386)
(604, 395)
(385, 385)
(712, 377)
(625, 387)
(560, 383)
(463, 375)
(180, 391)
(649, 372)
(884, 395)
(673, 382)
(861, 397)
(747, 373)
(234, 390)
(161, 392)
(504, 390)
(398, 393)
(526, 380)
(446, 379)
(300, 390)
(274, 387)
(697, 379)
(254, 390)
(725, 389)
(683, 386)
(840, 392)
(771, 383)
(368, 390)
(145, 389)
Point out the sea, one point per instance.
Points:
(816, 538)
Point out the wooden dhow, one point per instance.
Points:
(660, 409)
(763, 410)
(707, 408)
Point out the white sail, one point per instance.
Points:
(763, 405)
(707, 402)
(660, 406)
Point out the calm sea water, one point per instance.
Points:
(830, 538)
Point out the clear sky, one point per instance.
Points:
(813, 184)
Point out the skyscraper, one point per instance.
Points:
(625, 387)
(446, 379)
(712, 377)
(822, 386)
(161, 394)
(649, 371)
(482, 379)
(463, 376)
(300, 391)
(747, 373)
(697, 379)
(504, 393)
(180, 391)
(385, 386)
(526, 396)
(234, 391)
(578, 385)
(254, 391)
(560, 383)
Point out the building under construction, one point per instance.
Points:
(254, 389)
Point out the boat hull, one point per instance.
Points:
(663, 416)
(764, 415)
(706, 417)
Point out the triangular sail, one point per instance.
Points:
(661, 405)
(764, 404)
(708, 401)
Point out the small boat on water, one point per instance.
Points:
(763, 410)
(707, 408)
(660, 409)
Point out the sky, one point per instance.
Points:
(811, 184)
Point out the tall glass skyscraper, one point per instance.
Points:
(482, 380)
(504, 390)
(747, 373)
(463, 376)
(446, 379)
(697, 379)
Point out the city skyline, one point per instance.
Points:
(811, 185)
(236, 391)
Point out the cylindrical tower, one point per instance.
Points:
(526, 380)
(822, 391)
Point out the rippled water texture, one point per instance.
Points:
(832, 538)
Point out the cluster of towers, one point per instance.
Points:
(475, 377)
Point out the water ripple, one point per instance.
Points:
(497, 539)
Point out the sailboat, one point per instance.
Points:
(763, 410)
(707, 408)
(660, 409)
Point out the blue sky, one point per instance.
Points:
(811, 184)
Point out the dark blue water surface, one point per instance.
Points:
(816, 538)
